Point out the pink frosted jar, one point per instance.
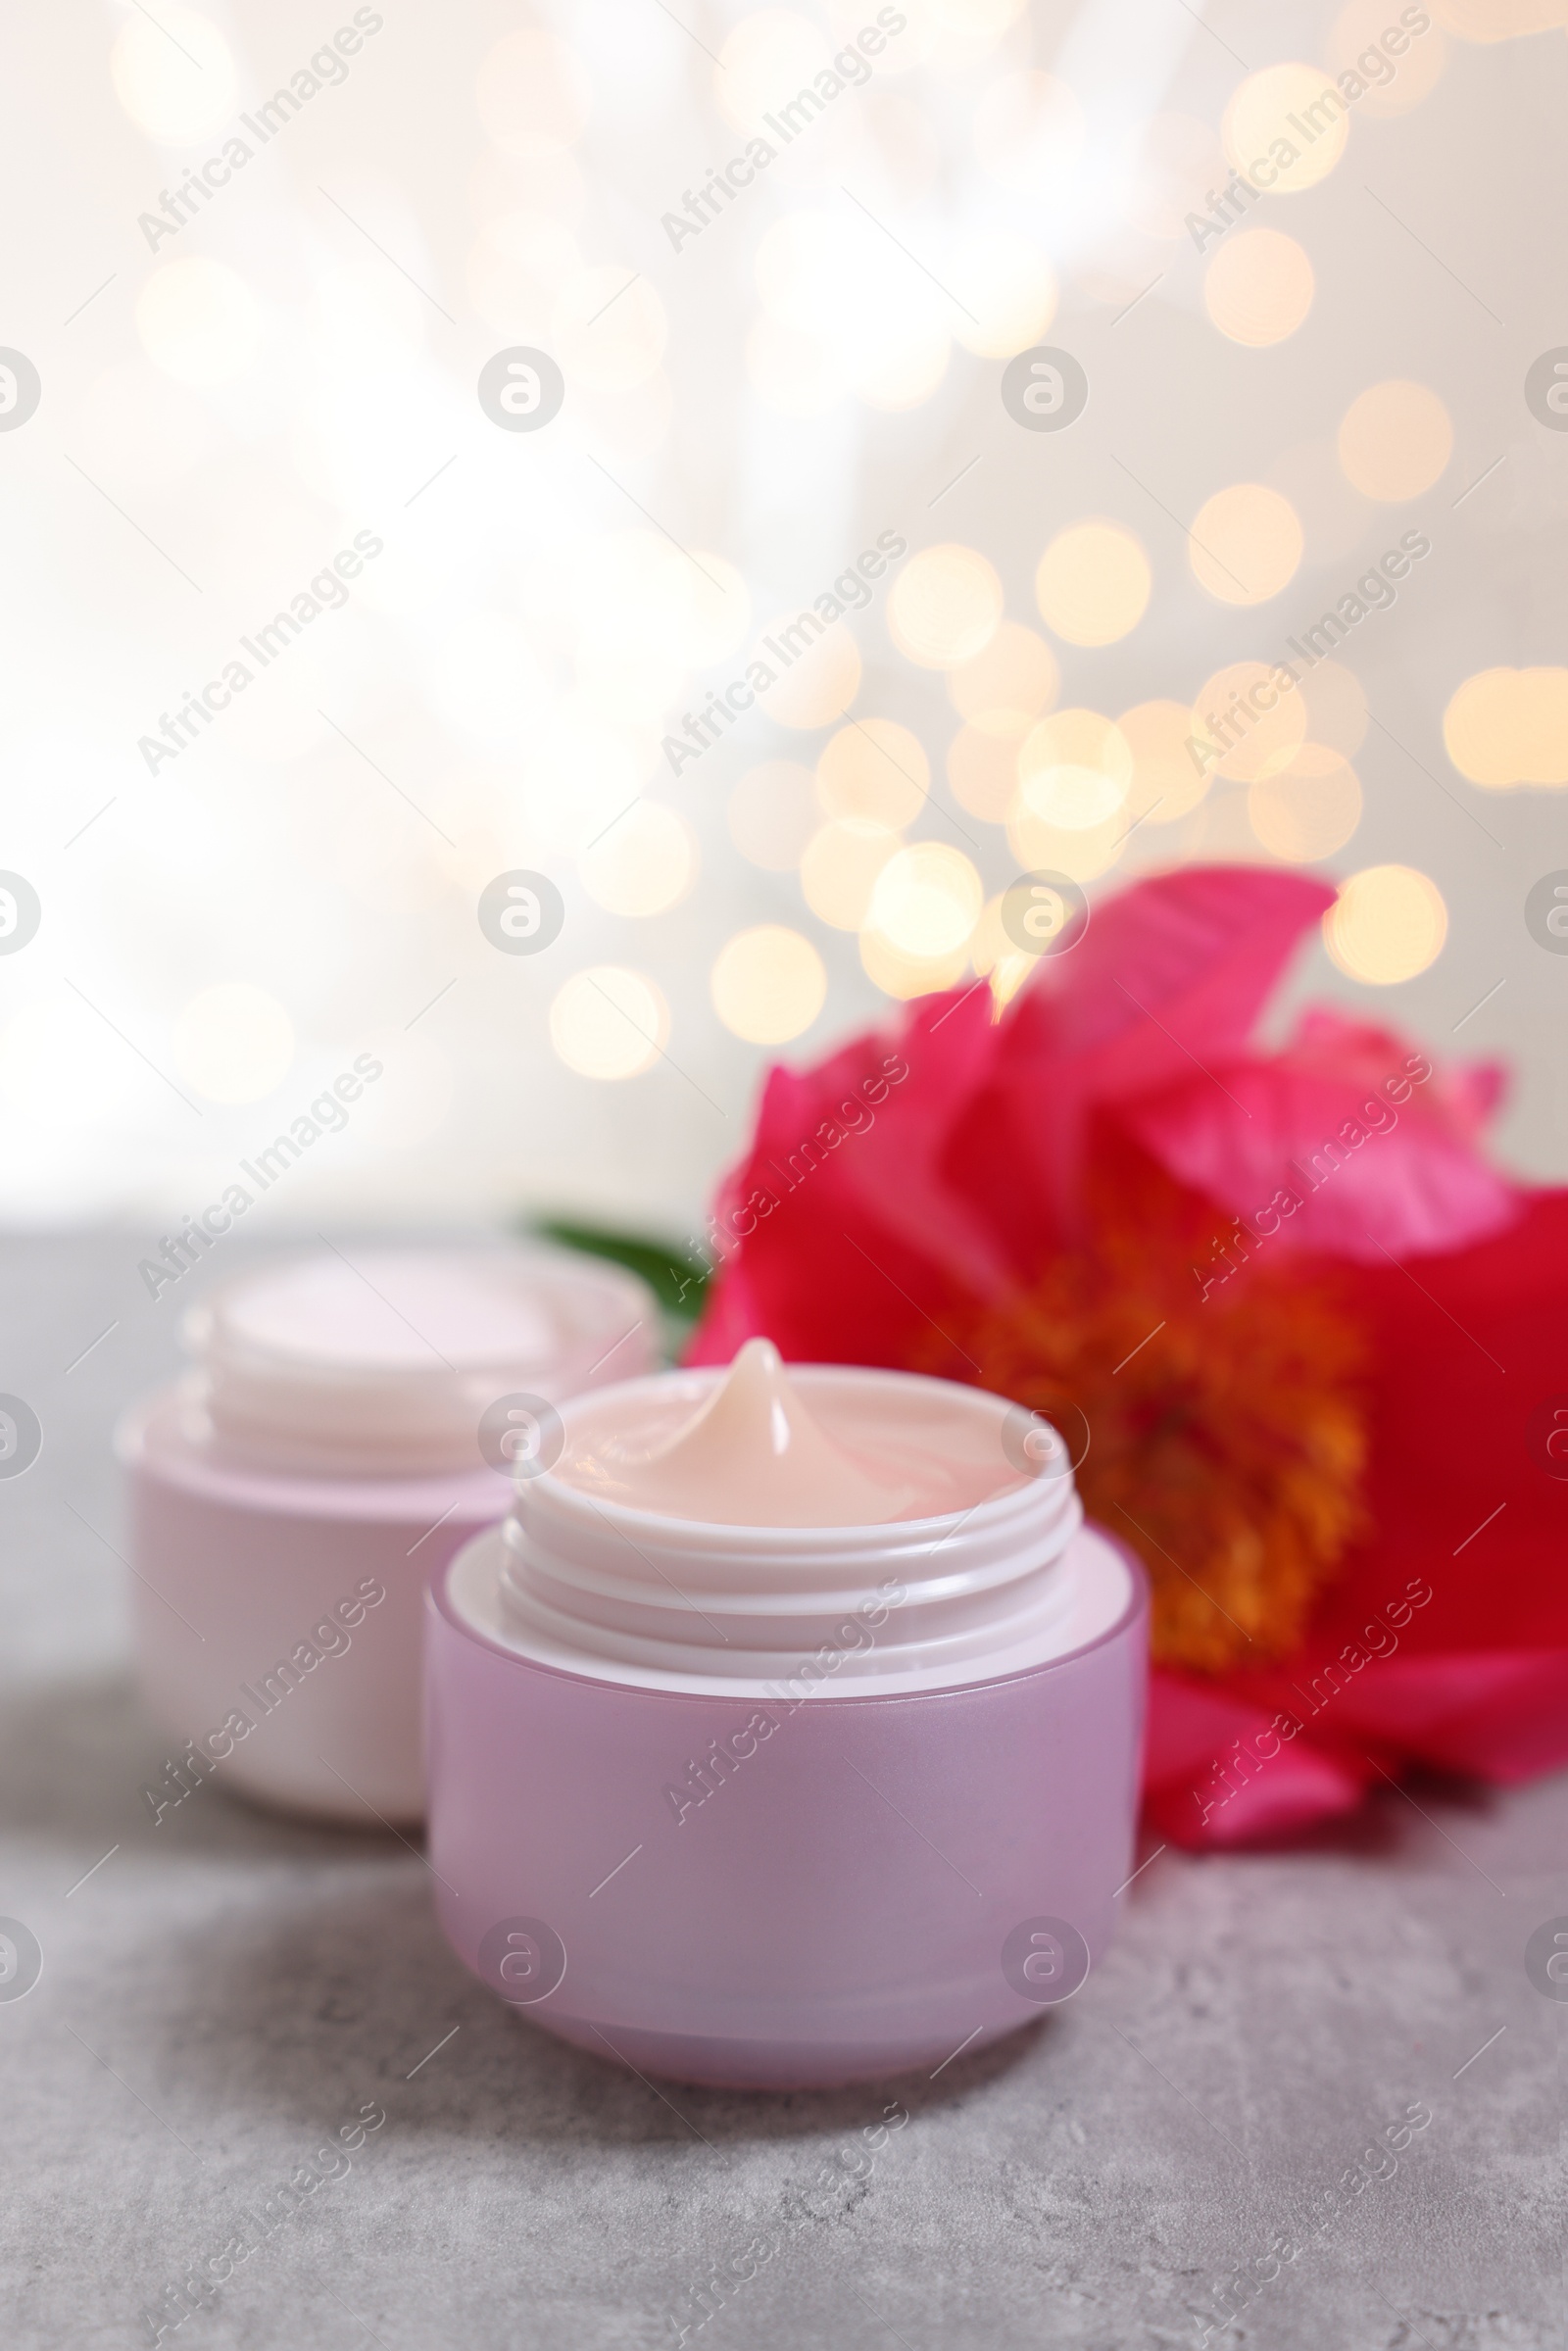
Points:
(349, 1421)
(777, 1807)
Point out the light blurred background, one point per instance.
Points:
(228, 400)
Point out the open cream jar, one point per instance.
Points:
(349, 1422)
(788, 1731)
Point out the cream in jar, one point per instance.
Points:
(787, 1731)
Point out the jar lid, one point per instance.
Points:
(386, 1361)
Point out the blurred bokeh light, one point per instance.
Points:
(1025, 440)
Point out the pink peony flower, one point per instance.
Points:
(1302, 1336)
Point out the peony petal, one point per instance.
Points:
(1444, 1639)
(1169, 975)
(1357, 1161)
(1499, 1714)
(841, 1230)
(1175, 967)
(1467, 1092)
(1495, 1715)
(1190, 1723)
(1469, 1352)
(969, 1172)
(1190, 1798)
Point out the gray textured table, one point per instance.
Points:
(221, 1997)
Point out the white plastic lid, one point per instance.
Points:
(583, 1581)
(382, 1362)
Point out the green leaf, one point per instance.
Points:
(675, 1280)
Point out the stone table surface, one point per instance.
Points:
(221, 1994)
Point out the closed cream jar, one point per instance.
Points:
(350, 1419)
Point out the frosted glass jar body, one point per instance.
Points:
(255, 1599)
(346, 1426)
(838, 1907)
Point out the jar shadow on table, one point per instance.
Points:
(326, 1982)
(349, 1992)
(81, 1762)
